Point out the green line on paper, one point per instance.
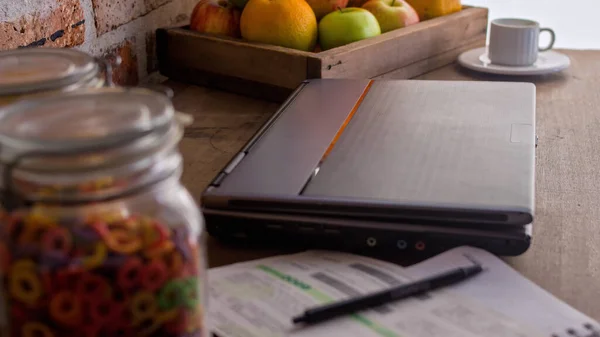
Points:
(325, 299)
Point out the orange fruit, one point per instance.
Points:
(429, 9)
(285, 23)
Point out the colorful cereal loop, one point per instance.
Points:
(154, 275)
(65, 308)
(33, 232)
(121, 320)
(101, 228)
(174, 261)
(170, 295)
(129, 275)
(163, 248)
(84, 235)
(148, 326)
(154, 234)
(167, 316)
(103, 310)
(132, 223)
(106, 217)
(39, 217)
(190, 293)
(194, 324)
(97, 258)
(57, 240)
(123, 241)
(143, 306)
(25, 285)
(93, 287)
(154, 323)
(35, 329)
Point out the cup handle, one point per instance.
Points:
(552, 38)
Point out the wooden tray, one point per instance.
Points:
(272, 72)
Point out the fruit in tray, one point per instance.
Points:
(345, 26)
(429, 9)
(392, 14)
(356, 3)
(324, 7)
(286, 23)
(313, 25)
(239, 3)
(216, 17)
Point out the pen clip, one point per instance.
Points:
(472, 259)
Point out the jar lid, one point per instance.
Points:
(64, 147)
(83, 120)
(35, 69)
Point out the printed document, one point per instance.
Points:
(259, 299)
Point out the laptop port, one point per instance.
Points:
(371, 242)
(401, 244)
(420, 245)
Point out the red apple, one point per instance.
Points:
(216, 17)
(392, 14)
(324, 7)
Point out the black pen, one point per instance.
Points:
(379, 298)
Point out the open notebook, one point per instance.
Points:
(259, 298)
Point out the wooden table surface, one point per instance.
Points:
(565, 255)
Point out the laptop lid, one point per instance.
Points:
(404, 149)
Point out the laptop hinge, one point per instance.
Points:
(217, 181)
(235, 161)
(228, 169)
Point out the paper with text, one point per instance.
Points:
(509, 293)
(259, 299)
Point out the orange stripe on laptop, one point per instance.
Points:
(347, 120)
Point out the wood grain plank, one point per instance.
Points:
(433, 62)
(397, 49)
(267, 64)
(232, 84)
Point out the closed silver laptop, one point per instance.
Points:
(424, 154)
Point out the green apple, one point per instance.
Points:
(345, 26)
(392, 14)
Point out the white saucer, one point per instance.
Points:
(547, 62)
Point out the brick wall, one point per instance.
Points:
(101, 27)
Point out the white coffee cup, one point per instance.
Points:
(515, 42)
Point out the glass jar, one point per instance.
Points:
(30, 71)
(99, 237)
